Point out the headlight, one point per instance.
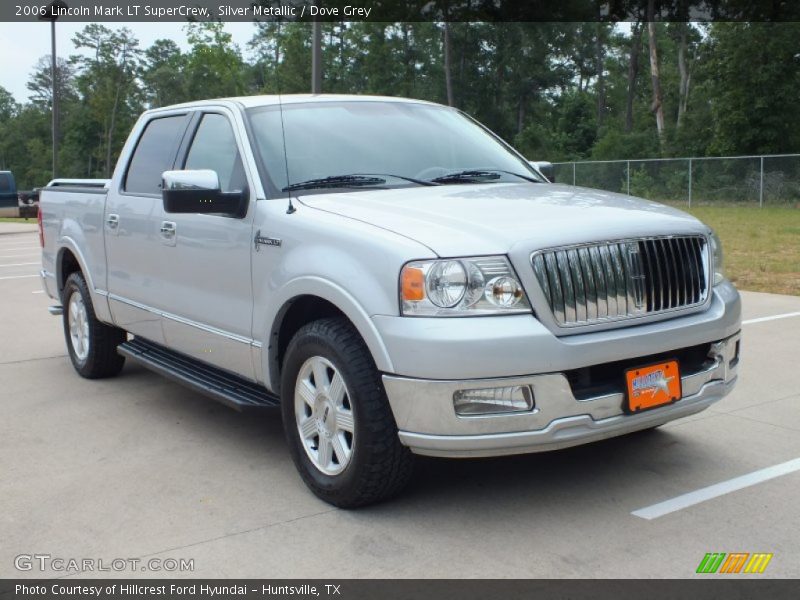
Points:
(718, 262)
(461, 287)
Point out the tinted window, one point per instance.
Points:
(214, 147)
(153, 155)
(5, 182)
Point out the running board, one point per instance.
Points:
(232, 390)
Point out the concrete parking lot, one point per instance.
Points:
(139, 467)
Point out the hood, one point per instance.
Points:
(480, 219)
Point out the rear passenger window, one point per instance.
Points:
(214, 147)
(153, 155)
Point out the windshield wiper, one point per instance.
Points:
(352, 180)
(403, 177)
(335, 181)
(474, 175)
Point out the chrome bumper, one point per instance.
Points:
(429, 425)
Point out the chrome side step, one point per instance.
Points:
(230, 389)
(56, 310)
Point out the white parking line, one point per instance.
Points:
(18, 248)
(18, 253)
(20, 276)
(772, 318)
(37, 292)
(19, 265)
(718, 489)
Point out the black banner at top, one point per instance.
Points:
(399, 10)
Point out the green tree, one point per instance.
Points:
(214, 67)
(754, 70)
(163, 74)
(107, 83)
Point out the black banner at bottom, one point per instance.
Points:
(405, 589)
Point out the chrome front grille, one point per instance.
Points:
(610, 281)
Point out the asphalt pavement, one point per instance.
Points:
(140, 468)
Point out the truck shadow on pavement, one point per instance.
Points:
(609, 471)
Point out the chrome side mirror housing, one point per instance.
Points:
(198, 191)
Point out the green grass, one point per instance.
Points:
(761, 245)
(31, 221)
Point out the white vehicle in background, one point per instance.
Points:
(394, 276)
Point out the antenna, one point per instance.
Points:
(290, 209)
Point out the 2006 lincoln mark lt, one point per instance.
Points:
(394, 276)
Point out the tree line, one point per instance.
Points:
(557, 91)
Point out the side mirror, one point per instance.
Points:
(199, 192)
(545, 168)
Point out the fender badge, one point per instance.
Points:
(266, 241)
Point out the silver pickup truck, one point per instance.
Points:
(392, 275)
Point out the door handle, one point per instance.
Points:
(112, 221)
(168, 229)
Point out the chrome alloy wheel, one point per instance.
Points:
(324, 415)
(78, 322)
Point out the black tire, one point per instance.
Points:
(380, 466)
(101, 359)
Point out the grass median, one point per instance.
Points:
(761, 245)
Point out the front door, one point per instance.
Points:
(205, 258)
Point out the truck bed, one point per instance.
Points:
(72, 217)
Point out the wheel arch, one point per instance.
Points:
(308, 303)
(69, 259)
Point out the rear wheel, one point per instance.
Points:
(92, 345)
(340, 428)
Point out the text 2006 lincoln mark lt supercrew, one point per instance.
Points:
(394, 276)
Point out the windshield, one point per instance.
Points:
(331, 145)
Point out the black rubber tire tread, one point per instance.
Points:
(381, 466)
(102, 360)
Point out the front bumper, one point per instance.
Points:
(429, 425)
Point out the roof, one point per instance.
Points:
(269, 100)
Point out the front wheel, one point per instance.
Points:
(92, 345)
(340, 428)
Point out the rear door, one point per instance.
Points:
(205, 261)
(132, 220)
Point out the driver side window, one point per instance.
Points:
(214, 147)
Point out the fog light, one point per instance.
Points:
(518, 398)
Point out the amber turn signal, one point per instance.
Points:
(413, 284)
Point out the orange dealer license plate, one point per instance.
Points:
(653, 386)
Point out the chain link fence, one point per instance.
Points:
(760, 180)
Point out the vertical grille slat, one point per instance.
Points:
(589, 282)
(580, 285)
(689, 274)
(660, 273)
(610, 281)
(699, 252)
(619, 274)
(650, 273)
(569, 286)
(600, 282)
(557, 305)
(667, 271)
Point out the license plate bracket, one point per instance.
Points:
(651, 386)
